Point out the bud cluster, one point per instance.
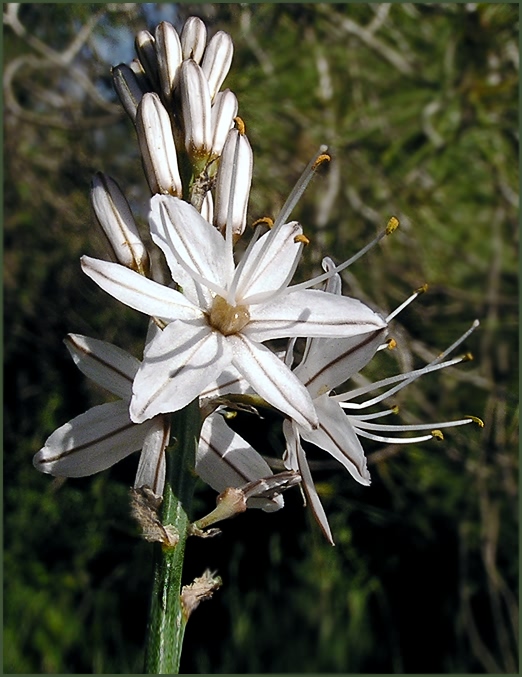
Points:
(192, 143)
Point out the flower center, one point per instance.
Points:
(226, 318)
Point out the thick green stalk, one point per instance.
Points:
(167, 619)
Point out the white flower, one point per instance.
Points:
(105, 434)
(328, 363)
(225, 313)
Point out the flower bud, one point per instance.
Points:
(222, 114)
(193, 39)
(168, 52)
(195, 107)
(158, 150)
(115, 217)
(216, 61)
(145, 47)
(128, 88)
(233, 181)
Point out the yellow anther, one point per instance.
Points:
(392, 225)
(437, 435)
(322, 158)
(392, 344)
(395, 409)
(240, 125)
(476, 420)
(422, 289)
(301, 238)
(264, 219)
(468, 357)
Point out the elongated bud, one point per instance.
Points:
(128, 88)
(234, 178)
(168, 52)
(195, 107)
(193, 39)
(216, 61)
(158, 150)
(115, 217)
(222, 114)
(146, 50)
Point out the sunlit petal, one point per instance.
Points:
(336, 435)
(311, 312)
(272, 380)
(176, 367)
(224, 459)
(91, 442)
(139, 292)
(106, 364)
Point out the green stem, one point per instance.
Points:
(167, 619)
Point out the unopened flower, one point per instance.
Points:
(158, 150)
(115, 217)
(234, 178)
(225, 312)
(195, 107)
(222, 114)
(145, 45)
(193, 39)
(169, 57)
(217, 60)
(129, 88)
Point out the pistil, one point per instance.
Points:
(226, 318)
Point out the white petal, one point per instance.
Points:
(184, 235)
(272, 380)
(216, 60)
(311, 312)
(224, 459)
(269, 262)
(177, 366)
(312, 496)
(193, 38)
(139, 292)
(91, 442)
(228, 382)
(151, 468)
(106, 364)
(336, 435)
(330, 362)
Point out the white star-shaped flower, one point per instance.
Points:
(105, 434)
(225, 313)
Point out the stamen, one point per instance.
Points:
(406, 379)
(397, 440)
(264, 219)
(407, 427)
(403, 305)
(319, 161)
(392, 225)
(300, 187)
(337, 269)
(240, 125)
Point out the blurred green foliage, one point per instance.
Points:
(418, 104)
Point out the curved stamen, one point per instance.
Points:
(403, 305)
(300, 187)
(397, 440)
(405, 378)
(407, 427)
